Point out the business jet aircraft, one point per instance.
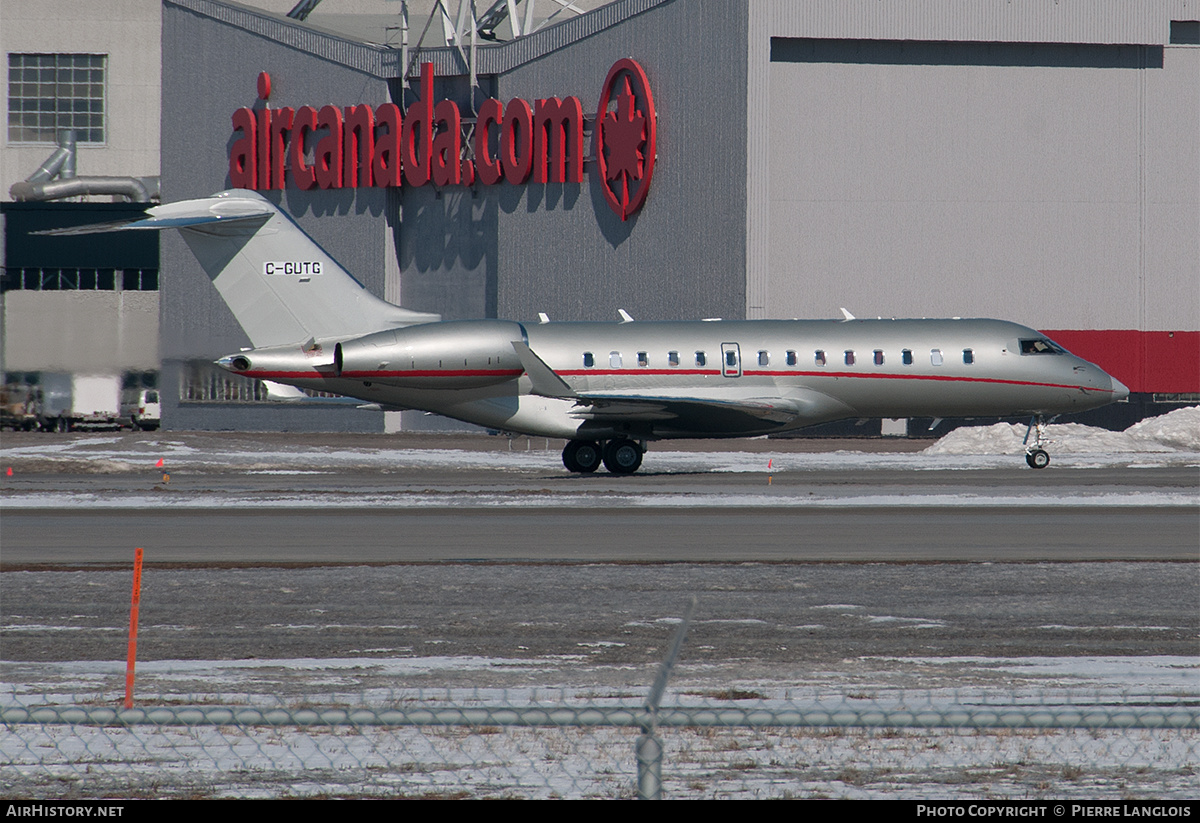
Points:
(609, 388)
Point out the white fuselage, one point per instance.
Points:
(699, 379)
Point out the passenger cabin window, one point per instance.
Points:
(935, 357)
(701, 360)
(906, 357)
(588, 360)
(819, 357)
(1041, 346)
(614, 359)
(643, 359)
(791, 358)
(672, 358)
(879, 357)
(731, 359)
(968, 356)
(764, 358)
(849, 359)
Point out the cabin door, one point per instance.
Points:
(731, 360)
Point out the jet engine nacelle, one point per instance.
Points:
(450, 355)
(294, 361)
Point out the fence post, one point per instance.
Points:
(649, 750)
(649, 767)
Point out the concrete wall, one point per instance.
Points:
(81, 331)
(1021, 161)
(128, 32)
(1025, 181)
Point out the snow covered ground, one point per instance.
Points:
(576, 760)
(63, 761)
(298, 472)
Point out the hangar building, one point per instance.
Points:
(1030, 160)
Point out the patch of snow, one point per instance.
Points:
(1176, 431)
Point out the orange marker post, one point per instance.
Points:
(131, 656)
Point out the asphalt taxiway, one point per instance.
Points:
(314, 546)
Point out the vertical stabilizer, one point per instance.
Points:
(280, 285)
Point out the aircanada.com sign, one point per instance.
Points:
(513, 142)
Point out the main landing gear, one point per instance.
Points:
(620, 456)
(1035, 455)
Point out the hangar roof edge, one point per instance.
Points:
(385, 62)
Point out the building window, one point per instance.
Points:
(51, 92)
(1185, 32)
(67, 279)
(204, 383)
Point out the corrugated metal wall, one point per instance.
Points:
(997, 159)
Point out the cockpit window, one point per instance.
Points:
(1040, 346)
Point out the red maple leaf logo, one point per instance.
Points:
(624, 136)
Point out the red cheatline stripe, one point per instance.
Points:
(328, 373)
(584, 372)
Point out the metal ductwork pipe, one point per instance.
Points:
(60, 163)
(41, 185)
(132, 189)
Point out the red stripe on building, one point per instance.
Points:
(1145, 361)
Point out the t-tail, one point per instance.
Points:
(280, 285)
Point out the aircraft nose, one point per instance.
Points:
(1119, 390)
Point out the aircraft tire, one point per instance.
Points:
(581, 456)
(1038, 459)
(622, 456)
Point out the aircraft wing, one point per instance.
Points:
(712, 410)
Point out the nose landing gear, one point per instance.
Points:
(1036, 456)
(620, 456)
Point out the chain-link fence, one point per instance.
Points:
(489, 744)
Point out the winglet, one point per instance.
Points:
(625, 318)
(847, 316)
(545, 381)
